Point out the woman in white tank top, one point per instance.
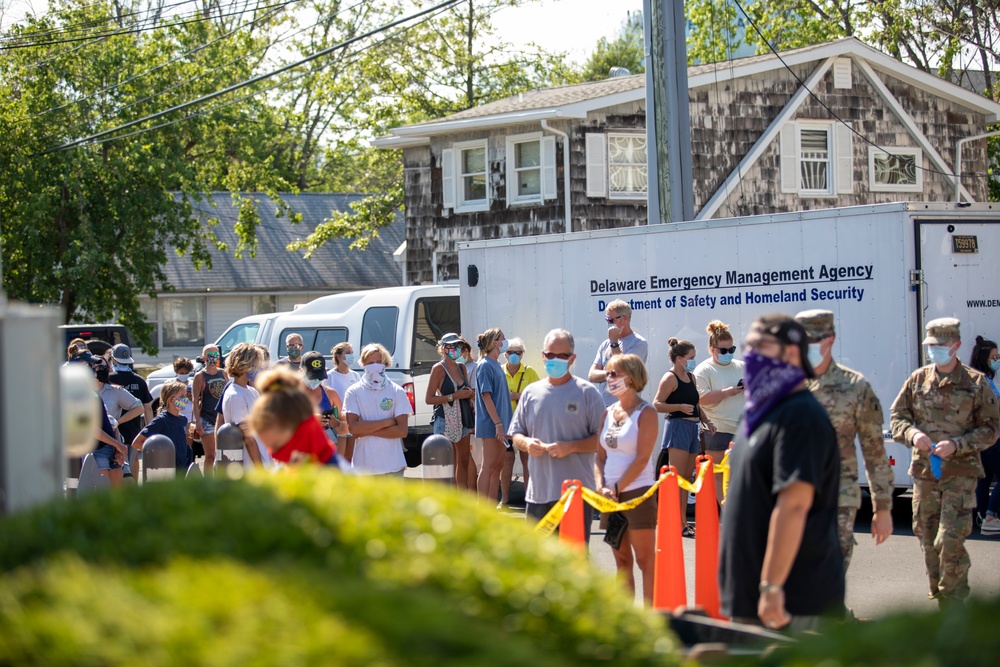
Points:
(622, 470)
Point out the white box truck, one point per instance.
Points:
(884, 271)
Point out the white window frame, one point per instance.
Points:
(513, 197)
(625, 196)
(917, 155)
(474, 205)
(830, 190)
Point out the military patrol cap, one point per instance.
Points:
(942, 330)
(818, 323)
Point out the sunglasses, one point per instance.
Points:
(614, 375)
(510, 352)
(213, 355)
(557, 355)
(727, 350)
(611, 320)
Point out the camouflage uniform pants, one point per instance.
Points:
(845, 531)
(942, 519)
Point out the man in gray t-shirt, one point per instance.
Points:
(557, 422)
(621, 340)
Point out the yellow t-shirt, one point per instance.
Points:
(524, 376)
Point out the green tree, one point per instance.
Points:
(625, 50)
(89, 228)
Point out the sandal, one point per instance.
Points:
(687, 531)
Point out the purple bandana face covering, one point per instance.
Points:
(767, 382)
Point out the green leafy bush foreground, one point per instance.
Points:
(309, 567)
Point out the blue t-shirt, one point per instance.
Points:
(175, 428)
(491, 379)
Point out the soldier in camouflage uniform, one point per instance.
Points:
(948, 410)
(855, 411)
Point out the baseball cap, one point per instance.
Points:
(942, 330)
(122, 354)
(788, 332)
(85, 357)
(314, 365)
(450, 339)
(818, 323)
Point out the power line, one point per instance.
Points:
(78, 27)
(256, 79)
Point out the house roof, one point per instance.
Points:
(575, 101)
(333, 267)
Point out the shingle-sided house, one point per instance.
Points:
(765, 136)
(205, 302)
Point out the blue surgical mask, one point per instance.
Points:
(503, 345)
(252, 375)
(995, 365)
(514, 359)
(690, 365)
(940, 355)
(725, 359)
(815, 356)
(183, 377)
(462, 359)
(313, 383)
(556, 368)
(121, 368)
(349, 358)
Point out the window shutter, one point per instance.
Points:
(549, 189)
(597, 165)
(789, 158)
(448, 177)
(844, 158)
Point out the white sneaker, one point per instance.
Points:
(991, 525)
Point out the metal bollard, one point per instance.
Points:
(91, 478)
(229, 446)
(193, 471)
(438, 458)
(158, 462)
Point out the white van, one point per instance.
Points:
(408, 321)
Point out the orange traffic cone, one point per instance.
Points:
(706, 543)
(571, 529)
(669, 587)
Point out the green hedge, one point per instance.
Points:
(309, 567)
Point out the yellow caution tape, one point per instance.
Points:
(554, 517)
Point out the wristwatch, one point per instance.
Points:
(615, 345)
(766, 588)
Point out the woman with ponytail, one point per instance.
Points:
(493, 413)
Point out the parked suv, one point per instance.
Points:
(100, 337)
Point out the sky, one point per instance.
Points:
(570, 26)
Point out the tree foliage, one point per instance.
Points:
(625, 50)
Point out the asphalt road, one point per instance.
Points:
(881, 579)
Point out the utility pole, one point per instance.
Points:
(668, 119)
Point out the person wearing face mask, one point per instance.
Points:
(447, 388)
(622, 470)
(378, 412)
(855, 412)
(124, 409)
(295, 348)
(326, 400)
(245, 361)
(171, 423)
(183, 368)
(720, 392)
(779, 560)
(207, 389)
(677, 396)
(621, 340)
(341, 377)
(558, 421)
(948, 414)
(122, 375)
(986, 360)
(519, 375)
(284, 418)
(493, 411)
(475, 445)
(109, 452)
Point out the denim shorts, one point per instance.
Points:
(682, 435)
(207, 427)
(439, 427)
(104, 456)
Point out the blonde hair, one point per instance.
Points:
(376, 347)
(632, 366)
(338, 349)
(620, 307)
(718, 331)
(171, 390)
(243, 359)
(679, 348)
(265, 354)
(486, 340)
(283, 401)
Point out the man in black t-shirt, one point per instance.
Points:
(780, 560)
(121, 360)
